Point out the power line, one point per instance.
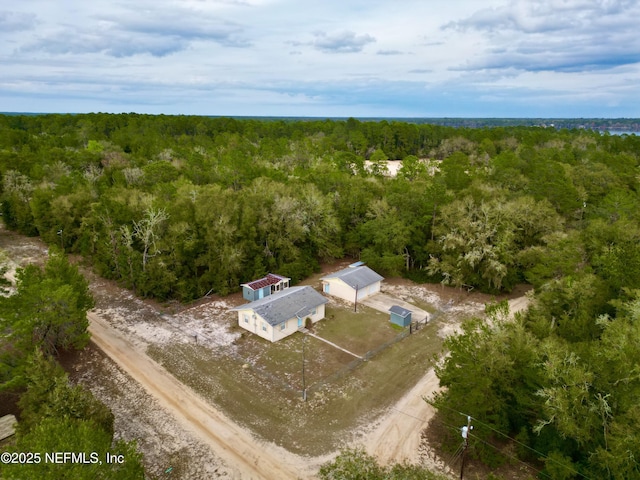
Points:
(518, 442)
(540, 472)
(456, 455)
(532, 449)
(500, 433)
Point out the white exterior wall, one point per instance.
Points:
(339, 289)
(319, 314)
(255, 324)
(370, 290)
(273, 334)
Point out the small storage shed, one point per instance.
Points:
(263, 287)
(400, 316)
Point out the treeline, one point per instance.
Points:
(178, 206)
(45, 315)
(557, 387)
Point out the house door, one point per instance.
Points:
(326, 288)
(260, 294)
(299, 322)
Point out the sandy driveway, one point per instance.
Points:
(383, 302)
(397, 437)
(250, 458)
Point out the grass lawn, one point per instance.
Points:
(357, 332)
(283, 359)
(256, 397)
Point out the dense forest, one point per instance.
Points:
(178, 207)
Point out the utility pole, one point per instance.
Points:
(465, 434)
(304, 386)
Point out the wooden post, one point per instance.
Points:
(355, 304)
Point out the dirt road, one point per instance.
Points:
(250, 458)
(397, 437)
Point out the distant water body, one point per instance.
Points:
(622, 132)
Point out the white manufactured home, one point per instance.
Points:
(281, 314)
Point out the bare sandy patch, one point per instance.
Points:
(138, 416)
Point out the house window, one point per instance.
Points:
(314, 311)
(283, 325)
(264, 326)
(246, 318)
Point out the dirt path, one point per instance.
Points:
(397, 437)
(519, 304)
(250, 458)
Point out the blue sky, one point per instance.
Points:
(374, 58)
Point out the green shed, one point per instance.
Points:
(400, 316)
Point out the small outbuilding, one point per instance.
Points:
(263, 287)
(400, 316)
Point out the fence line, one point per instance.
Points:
(348, 368)
(329, 379)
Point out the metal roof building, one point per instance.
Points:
(352, 283)
(358, 275)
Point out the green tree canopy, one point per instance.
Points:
(48, 312)
(356, 464)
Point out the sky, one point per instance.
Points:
(326, 58)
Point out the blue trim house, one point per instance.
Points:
(281, 314)
(263, 287)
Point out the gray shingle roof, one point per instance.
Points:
(403, 312)
(289, 303)
(360, 276)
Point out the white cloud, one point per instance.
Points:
(17, 21)
(351, 57)
(341, 42)
(569, 35)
